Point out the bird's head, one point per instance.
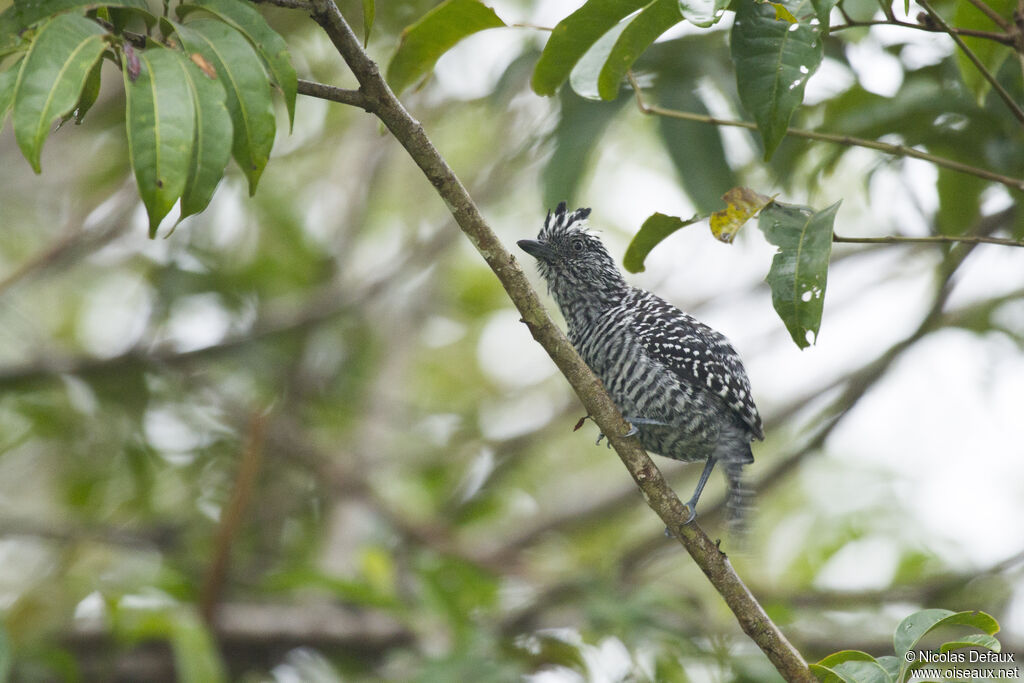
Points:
(570, 258)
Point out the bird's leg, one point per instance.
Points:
(633, 429)
(634, 421)
(692, 503)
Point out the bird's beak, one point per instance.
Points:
(536, 249)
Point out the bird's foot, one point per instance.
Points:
(692, 507)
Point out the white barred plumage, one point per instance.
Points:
(677, 381)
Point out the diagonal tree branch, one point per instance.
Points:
(662, 499)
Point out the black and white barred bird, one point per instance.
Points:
(678, 382)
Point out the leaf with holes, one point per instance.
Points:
(52, 77)
(640, 32)
(741, 204)
(773, 59)
(438, 31)
(656, 228)
(799, 269)
(823, 9)
(270, 46)
(240, 72)
(160, 119)
(573, 36)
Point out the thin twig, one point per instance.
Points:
(535, 27)
(847, 140)
(929, 239)
(334, 94)
(996, 85)
(232, 517)
(661, 498)
(288, 4)
(1002, 38)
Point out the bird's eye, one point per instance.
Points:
(577, 245)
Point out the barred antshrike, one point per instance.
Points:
(679, 383)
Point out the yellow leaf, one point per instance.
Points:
(742, 204)
(782, 13)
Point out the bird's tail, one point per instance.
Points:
(739, 500)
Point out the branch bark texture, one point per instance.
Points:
(382, 102)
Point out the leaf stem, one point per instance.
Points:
(929, 239)
(847, 140)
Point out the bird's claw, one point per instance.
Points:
(692, 507)
(633, 431)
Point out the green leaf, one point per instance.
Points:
(846, 656)
(573, 36)
(742, 204)
(27, 12)
(90, 92)
(656, 228)
(703, 13)
(52, 77)
(580, 125)
(850, 665)
(640, 32)
(915, 627)
(891, 664)
(160, 118)
(823, 9)
(584, 77)
(424, 42)
(973, 640)
(211, 148)
(959, 200)
(8, 80)
(991, 53)
(369, 14)
(773, 61)
(11, 38)
(241, 74)
(799, 269)
(269, 44)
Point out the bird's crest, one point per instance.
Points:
(563, 221)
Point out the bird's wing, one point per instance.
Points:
(699, 355)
